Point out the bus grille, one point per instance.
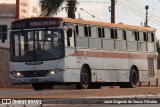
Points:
(35, 73)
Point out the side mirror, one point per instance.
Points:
(3, 38)
(69, 33)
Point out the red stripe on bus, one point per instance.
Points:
(113, 55)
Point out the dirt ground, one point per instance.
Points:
(74, 93)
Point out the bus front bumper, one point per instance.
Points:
(31, 80)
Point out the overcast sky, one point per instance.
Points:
(127, 11)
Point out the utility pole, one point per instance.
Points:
(112, 11)
(146, 7)
(17, 9)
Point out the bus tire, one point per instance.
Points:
(38, 86)
(133, 80)
(85, 79)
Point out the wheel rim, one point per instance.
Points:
(85, 79)
(134, 79)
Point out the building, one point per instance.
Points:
(27, 8)
(7, 15)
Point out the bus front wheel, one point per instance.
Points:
(85, 79)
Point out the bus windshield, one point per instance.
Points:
(36, 45)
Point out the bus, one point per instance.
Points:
(47, 51)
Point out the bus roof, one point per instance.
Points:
(105, 24)
(92, 23)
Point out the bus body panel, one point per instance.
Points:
(34, 66)
(111, 69)
(31, 80)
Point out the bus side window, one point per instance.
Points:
(77, 31)
(85, 31)
(89, 28)
(141, 37)
(124, 35)
(142, 44)
(115, 34)
(107, 33)
(103, 33)
(120, 43)
(132, 40)
(152, 36)
(95, 40)
(131, 35)
(81, 32)
(112, 33)
(120, 34)
(108, 42)
(99, 32)
(136, 35)
(94, 33)
(145, 36)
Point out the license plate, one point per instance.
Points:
(34, 80)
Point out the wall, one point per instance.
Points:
(5, 70)
(6, 21)
(4, 55)
(4, 67)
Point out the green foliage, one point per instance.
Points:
(50, 7)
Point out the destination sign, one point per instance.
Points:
(43, 23)
(35, 23)
(18, 25)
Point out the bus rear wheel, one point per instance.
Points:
(133, 80)
(85, 79)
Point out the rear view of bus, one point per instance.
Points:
(37, 52)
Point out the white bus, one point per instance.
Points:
(47, 51)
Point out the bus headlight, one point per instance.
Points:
(17, 74)
(55, 72)
(52, 72)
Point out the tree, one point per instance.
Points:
(72, 8)
(52, 7)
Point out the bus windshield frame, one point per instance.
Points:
(37, 45)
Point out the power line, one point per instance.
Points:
(133, 3)
(139, 12)
(135, 12)
(131, 10)
(125, 12)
